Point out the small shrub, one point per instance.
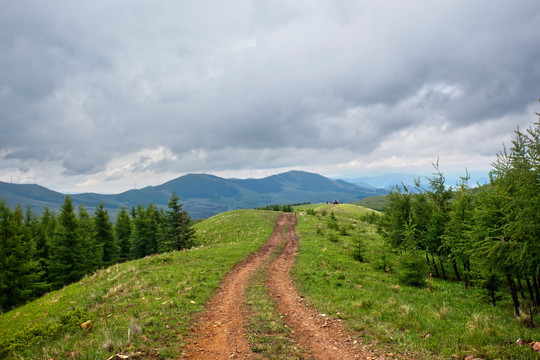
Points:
(383, 263)
(333, 225)
(413, 269)
(489, 286)
(359, 250)
(333, 237)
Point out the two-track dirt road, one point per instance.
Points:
(220, 334)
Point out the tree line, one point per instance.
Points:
(487, 236)
(40, 254)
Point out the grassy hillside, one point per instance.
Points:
(145, 307)
(448, 321)
(378, 203)
(140, 307)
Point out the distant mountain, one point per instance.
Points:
(386, 181)
(203, 195)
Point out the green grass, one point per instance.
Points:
(140, 307)
(145, 308)
(378, 203)
(367, 296)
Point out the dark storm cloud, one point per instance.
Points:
(217, 85)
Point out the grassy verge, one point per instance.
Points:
(143, 308)
(450, 321)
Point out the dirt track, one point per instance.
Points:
(326, 338)
(220, 334)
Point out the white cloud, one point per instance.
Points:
(137, 90)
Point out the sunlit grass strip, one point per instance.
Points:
(147, 305)
(448, 321)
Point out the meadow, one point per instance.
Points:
(141, 308)
(444, 320)
(145, 308)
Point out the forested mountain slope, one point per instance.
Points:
(203, 195)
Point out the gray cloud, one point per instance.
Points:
(94, 88)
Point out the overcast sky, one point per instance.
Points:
(107, 95)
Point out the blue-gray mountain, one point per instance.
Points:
(203, 195)
(387, 181)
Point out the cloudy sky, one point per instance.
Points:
(106, 95)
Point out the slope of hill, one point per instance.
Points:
(143, 307)
(203, 195)
(378, 203)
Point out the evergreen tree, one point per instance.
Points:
(145, 231)
(507, 217)
(19, 271)
(104, 236)
(47, 227)
(67, 255)
(93, 249)
(440, 197)
(457, 236)
(32, 225)
(122, 231)
(396, 222)
(177, 233)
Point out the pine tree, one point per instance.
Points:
(122, 231)
(507, 218)
(47, 227)
(67, 255)
(397, 217)
(104, 236)
(32, 225)
(177, 233)
(421, 210)
(457, 236)
(19, 271)
(145, 231)
(93, 249)
(439, 197)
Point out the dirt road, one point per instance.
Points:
(220, 334)
(326, 338)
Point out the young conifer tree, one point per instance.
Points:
(177, 233)
(94, 250)
(19, 271)
(507, 216)
(67, 256)
(145, 231)
(104, 236)
(122, 232)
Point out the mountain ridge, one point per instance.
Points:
(203, 195)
